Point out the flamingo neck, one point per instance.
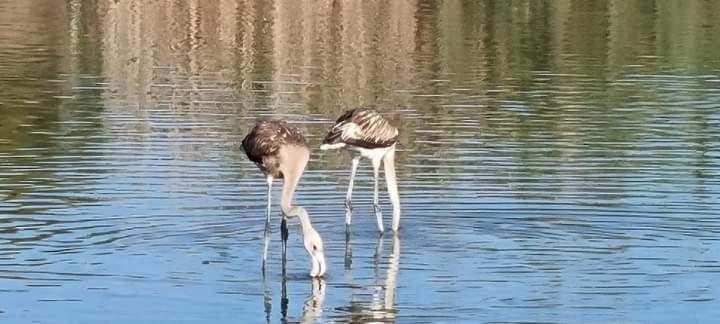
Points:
(304, 221)
(294, 211)
(288, 192)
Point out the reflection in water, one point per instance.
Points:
(348, 248)
(383, 299)
(559, 159)
(267, 301)
(392, 273)
(284, 299)
(375, 301)
(312, 308)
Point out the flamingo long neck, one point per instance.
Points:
(304, 222)
(288, 192)
(296, 158)
(288, 209)
(391, 180)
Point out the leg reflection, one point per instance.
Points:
(312, 307)
(381, 307)
(378, 252)
(348, 249)
(283, 298)
(383, 302)
(392, 271)
(267, 301)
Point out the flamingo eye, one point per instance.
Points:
(314, 247)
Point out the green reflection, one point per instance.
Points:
(49, 107)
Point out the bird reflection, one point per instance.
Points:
(392, 272)
(381, 306)
(378, 253)
(348, 249)
(312, 307)
(267, 298)
(284, 299)
(267, 301)
(383, 300)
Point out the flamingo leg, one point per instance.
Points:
(376, 201)
(284, 234)
(266, 238)
(391, 181)
(348, 196)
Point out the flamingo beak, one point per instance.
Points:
(318, 264)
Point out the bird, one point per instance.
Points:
(366, 133)
(280, 151)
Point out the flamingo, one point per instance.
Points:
(366, 133)
(281, 151)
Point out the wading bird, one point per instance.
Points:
(366, 133)
(280, 151)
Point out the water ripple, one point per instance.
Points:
(546, 176)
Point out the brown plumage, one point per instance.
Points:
(362, 127)
(366, 133)
(280, 151)
(263, 143)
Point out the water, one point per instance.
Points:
(558, 161)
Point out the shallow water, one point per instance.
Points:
(558, 161)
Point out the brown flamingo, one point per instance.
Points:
(281, 151)
(366, 133)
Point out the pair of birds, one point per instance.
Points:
(281, 151)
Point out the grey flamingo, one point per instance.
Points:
(280, 151)
(368, 134)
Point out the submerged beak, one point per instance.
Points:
(318, 264)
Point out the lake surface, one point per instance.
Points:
(559, 161)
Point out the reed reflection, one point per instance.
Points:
(316, 58)
(591, 120)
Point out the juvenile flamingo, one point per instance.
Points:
(281, 151)
(366, 133)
